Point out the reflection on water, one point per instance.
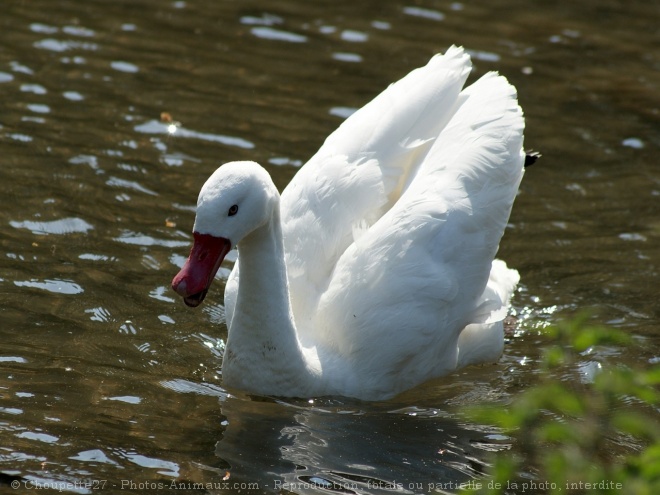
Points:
(301, 445)
(112, 116)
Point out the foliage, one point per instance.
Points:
(564, 431)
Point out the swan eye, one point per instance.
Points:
(232, 210)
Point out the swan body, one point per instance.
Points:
(375, 269)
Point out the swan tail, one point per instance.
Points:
(493, 305)
(482, 341)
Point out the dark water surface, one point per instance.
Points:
(107, 381)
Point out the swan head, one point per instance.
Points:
(238, 198)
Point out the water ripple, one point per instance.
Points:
(165, 468)
(124, 66)
(12, 359)
(347, 57)
(156, 127)
(37, 27)
(40, 437)
(268, 33)
(432, 15)
(136, 238)
(94, 455)
(64, 45)
(55, 286)
(128, 399)
(187, 387)
(78, 31)
(37, 89)
(129, 184)
(59, 227)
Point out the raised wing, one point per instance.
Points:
(360, 171)
(414, 279)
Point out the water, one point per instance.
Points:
(107, 381)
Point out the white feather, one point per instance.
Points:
(388, 237)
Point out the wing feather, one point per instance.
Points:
(421, 271)
(360, 171)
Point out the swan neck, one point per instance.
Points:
(263, 353)
(263, 272)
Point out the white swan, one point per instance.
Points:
(374, 271)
